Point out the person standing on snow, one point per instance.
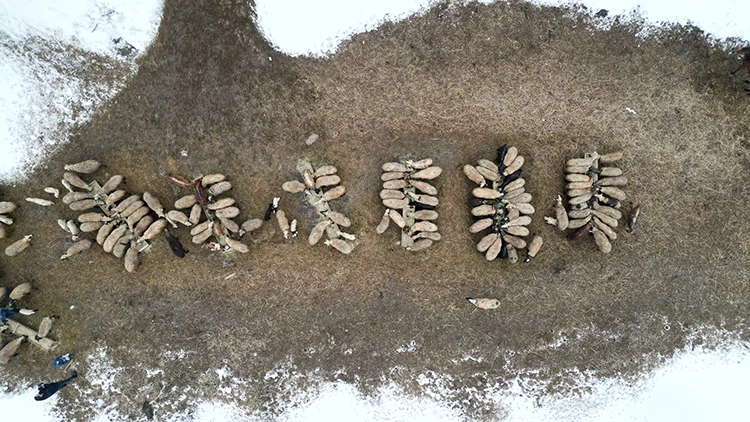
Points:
(47, 390)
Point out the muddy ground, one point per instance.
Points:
(452, 84)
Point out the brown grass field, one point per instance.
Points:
(452, 84)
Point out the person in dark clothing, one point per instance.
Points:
(47, 390)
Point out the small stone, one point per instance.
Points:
(312, 139)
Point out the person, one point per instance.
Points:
(5, 313)
(47, 390)
(62, 360)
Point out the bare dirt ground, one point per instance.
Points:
(452, 84)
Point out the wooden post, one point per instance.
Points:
(316, 201)
(17, 328)
(136, 242)
(594, 175)
(408, 213)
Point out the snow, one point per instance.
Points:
(302, 27)
(47, 87)
(722, 18)
(389, 404)
(11, 103)
(408, 348)
(695, 385)
(214, 411)
(316, 28)
(22, 406)
(698, 383)
(703, 381)
(38, 99)
(88, 24)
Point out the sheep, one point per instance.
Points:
(10, 349)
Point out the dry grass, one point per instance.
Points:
(452, 84)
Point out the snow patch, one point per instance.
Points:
(101, 386)
(92, 25)
(150, 373)
(408, 348)
(389, 404)
(215, 411)
(48, 91)
(317, 28)
(703, 381)
(176, 354)
(21, 406)
(60, 62)
(223, 372)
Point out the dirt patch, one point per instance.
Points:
(453, 84)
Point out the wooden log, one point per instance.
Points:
(45, 344)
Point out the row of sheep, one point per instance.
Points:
(126, 223)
